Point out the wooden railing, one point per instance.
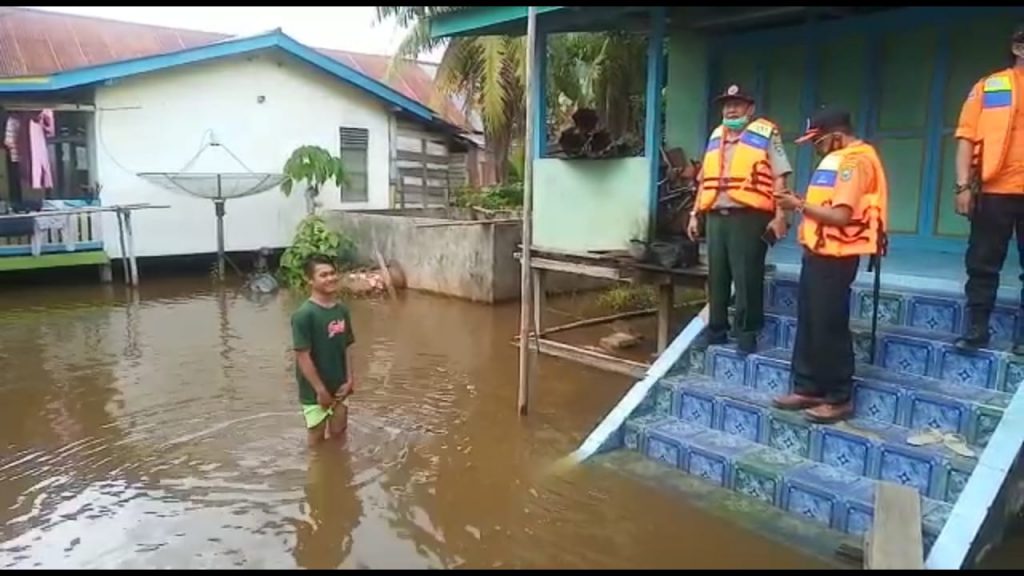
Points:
(84, 234)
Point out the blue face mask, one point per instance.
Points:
(736, 123)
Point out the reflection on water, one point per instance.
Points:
(163, 430)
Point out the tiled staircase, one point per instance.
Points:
(712, 416)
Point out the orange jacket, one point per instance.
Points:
(750, 181)
(999, 101)
(852, 176)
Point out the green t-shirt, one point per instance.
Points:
(326, 333)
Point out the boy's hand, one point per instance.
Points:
(324, 398)
(346, 390)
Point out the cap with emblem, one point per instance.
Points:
(824, 121)
(734, 92)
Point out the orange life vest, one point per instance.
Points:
(865, 234)
(999, 101)
(750, 181)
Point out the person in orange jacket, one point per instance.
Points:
(744, 165)
(844, 218)
(990, 188)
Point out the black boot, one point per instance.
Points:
(710, 338)
(976, 335)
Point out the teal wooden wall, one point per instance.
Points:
(903, 76)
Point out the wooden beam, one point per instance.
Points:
(895, 538)
(470, 222)
(591, 358)
(597, 321)
(665, 297)
(573, 268)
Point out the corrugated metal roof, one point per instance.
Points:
(39, 43)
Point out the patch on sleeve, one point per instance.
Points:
(846, 173)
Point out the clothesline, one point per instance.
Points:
(84, 210)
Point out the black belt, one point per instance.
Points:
(731, 210)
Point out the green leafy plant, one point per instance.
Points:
(628, 298)
(313, 237)
(315, 167)
(501, 197)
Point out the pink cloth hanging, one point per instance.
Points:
(40, 127)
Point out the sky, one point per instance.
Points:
(352, 28)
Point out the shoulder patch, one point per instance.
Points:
(997, 83)
(761, 128)
(846, 174)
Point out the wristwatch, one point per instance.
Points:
(963, 188)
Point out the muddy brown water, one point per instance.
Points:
(162, 430)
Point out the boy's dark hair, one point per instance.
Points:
(315, 259)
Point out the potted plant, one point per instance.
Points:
(315, 167)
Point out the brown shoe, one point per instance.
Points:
(796, 402)
(829, 413)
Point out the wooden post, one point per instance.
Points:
(133, 266)
(124, 249)
(524, 312)
(539, 301)
(666, 294)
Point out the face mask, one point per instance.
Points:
(735, 123)
(829, 144)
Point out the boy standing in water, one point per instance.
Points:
(321, 337)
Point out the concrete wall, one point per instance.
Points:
(157, 122)
(475, 262)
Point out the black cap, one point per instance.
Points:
(1018, 35)
(824, 121)
(734, 92)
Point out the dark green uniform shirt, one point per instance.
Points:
(326, 333)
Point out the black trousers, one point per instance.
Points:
(995, 219)
(823, 351)
(736, 254)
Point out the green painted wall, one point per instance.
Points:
(11, 263)
(686, 92)
(584, 205)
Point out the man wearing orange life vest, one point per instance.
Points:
(990, 188)
(844, 218)
(744, 165)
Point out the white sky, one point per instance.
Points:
(352, 28)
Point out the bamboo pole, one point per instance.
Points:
(525, 316)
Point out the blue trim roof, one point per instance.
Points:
(275, 39)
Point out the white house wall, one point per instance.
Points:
(157, 122)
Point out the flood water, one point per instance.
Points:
(162, 430)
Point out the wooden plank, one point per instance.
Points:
(665, 297)
(574, 268)
(597, 321)
(420, 157)
(588, 357)
(895, 539)
(468, 222)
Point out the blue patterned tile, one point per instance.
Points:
(743, 420)
(662, 399)
(845, 452)
(967, 368)
(907, 468)
(1003, 324)
(784, 296)
(876, 401)
(815, 505)
(634, 430)
(938, 412)
(756, 484)
(727, 366)
(1012, 376)
(710, 467)
(985, 421)
(862, 348)
(955, 482)
(769, 335)
(790, 435)
(788, 333)
(663, 450)
(890, 307)
(770, 376)
(935, 314)
(934, 515)
(859, 519)
(697, 408)
(903, 354)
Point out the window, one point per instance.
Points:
(354, 145)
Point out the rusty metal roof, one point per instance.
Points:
(39, 43)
